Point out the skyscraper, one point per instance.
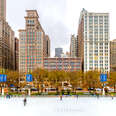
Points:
(31, 43)
(73, 46)
(113, 55)
(93, 41)
(7, 52)
(16, 54)
(58, 52)
(46, 46)
(3, 9)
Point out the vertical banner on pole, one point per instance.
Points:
(3, 79)
(29, 78)
(103, 78)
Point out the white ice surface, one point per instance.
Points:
(69, 106)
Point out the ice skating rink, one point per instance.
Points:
(52, 106)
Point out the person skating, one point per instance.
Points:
(61, 97)
(112, 96)
(7, 96)
(97, 96)
(25, 101)
(77, 96)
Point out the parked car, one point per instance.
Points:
(90, 89)
(13, 89)
(110, 89)
(66, 88)
(50, 89)
(98, 89)
(34, 89)
(79, 88)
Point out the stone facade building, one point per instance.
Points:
(7, 52)
(74, 46)
(31, 43)
(93, 41)
(113, 55)
(65, 64)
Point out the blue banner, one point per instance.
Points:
(29, 78)
(3, 78)
(103, 77)
(11, 85)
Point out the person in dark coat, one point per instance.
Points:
(77, 96)
(25, 101)
(61, 97)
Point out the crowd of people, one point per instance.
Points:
(60, 97)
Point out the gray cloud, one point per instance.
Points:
(52, 18)
(59, 18)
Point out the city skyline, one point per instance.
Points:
(63, 14)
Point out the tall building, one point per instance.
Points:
(46, 46)
(65, 55)
(3, 9)
(7, 52)
(113, 55)
(93, 41)
(31, 43)
(68, 54)
(16, 54)
(73, 46)
(58, 52)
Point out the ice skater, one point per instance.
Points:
(97, 96)
(25, 101)
(60, 97)
(77, 96)
(112, 96)
(7, 96)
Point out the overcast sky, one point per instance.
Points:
(59, 18)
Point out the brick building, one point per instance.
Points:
(66, 64)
